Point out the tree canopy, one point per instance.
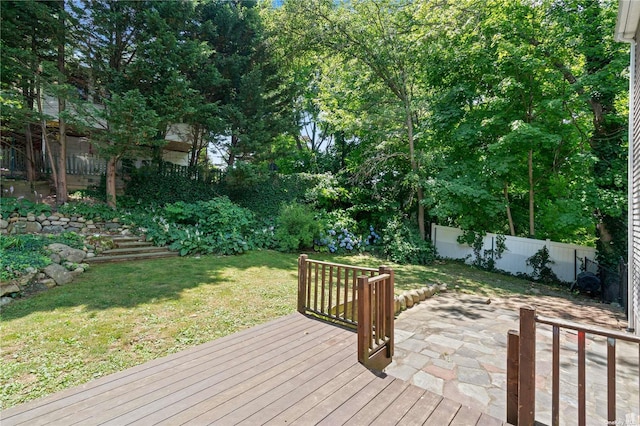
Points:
(503, 116)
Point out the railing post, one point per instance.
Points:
(513, 349)
(302, 282)
(390, 308)
(364, 319)
(527, 367)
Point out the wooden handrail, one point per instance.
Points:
(330, 289)
(358, 297)
(375, 319)
(521, 368)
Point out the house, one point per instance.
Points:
(84, 166)
(628, 30)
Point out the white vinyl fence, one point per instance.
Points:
(567, 258)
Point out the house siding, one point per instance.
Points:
(634, 193)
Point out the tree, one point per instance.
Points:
(131, 127)
(386, 40)
(33, 51)
(250, 98)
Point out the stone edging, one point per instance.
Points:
(409, 298)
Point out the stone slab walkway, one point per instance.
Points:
(455, 345)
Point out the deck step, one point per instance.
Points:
(129, 257)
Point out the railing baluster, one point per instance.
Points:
(527, 361)
(513, 369)
(611, 380)
(330, 305)
(338, 273)
(315, 293)
(555, 392)
(308, 285)
(581, 379)
(324, 272)
(346, 291)
(354, 298)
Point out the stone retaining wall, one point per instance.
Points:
(57, 224)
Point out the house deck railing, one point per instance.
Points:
(358, 297)
(521, 368)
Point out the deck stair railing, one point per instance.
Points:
(354, 296)
(521, 368)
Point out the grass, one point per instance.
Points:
(119, 315)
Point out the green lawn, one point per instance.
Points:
(119, 315)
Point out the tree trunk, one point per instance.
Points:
(62, 194)
(61, 184)
(111, 181)
(414, 169)
(45, 136)
(512, 229)
(29, 154)
(532, 229)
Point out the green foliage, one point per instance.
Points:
(340, 234)
(484, 259)
(401, 243)
(540, 262)
(19, 253)
(148, 185)
(264, 192)
(22, 206)
(327, 193)
(297, 227)
(214, 226)
(89, 210)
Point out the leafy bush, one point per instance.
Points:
(19, 253)
(402, 244)
(340, 235)
(484, 259)
(22, 206)
(540, 262)
(89, 210)
(327, 192)
(296, 227)
(265, 196)
(214, 226)
(149, 185)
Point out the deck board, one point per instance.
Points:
(293, 370)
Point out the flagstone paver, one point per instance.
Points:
(455, 345)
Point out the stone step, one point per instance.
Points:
(133, 250)
(130, 257)
(136, 243)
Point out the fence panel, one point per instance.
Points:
(568, 258)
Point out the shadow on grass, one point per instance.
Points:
(130, 284)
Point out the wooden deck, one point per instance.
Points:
(294, 370)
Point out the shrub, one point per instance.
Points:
(484, 259)
(540, 262)
(296, 227)
(402, 244)
(22, 206)
(214, 226)
(327, 192)
(265, 193)
(340, 234)
(89, 209)
(19, 253)
(149, 185)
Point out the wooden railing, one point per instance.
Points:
(521, 368)
(354, 296)
(375, 319)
